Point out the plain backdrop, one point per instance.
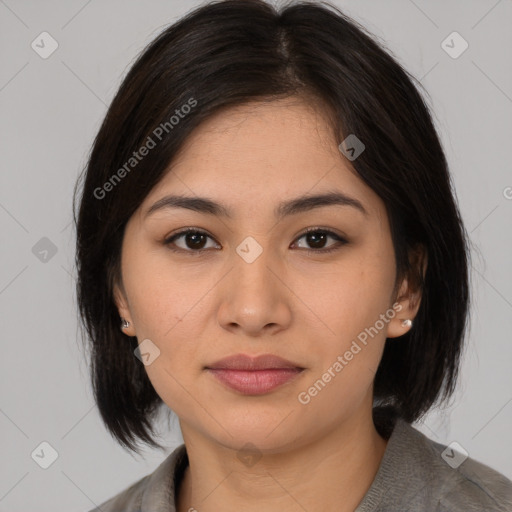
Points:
(50, 111)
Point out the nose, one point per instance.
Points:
(255, 300)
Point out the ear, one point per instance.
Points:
(123, 309)
(408, 299)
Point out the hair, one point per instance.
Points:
(232, 52)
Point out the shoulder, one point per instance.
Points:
(472, 485)
(417, 473)
(128, 500)
(456, 482)
(155, 491)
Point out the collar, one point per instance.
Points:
(406, 448)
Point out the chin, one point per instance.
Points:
(269, 432)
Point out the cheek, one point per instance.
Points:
(352, 298)
(170, 307)
(166, 306)
(353, 304)
(355, 314)
(163, 298)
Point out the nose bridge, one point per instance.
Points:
(253, 297)
(252, 264)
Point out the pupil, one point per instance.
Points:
(313, 236)
(196, 237)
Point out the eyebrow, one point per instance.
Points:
(291, 207)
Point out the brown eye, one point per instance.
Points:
(317, 238)
(193, 240)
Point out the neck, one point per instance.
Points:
(331, 473)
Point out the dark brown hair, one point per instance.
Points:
(232, 52)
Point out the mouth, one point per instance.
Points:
(254, 375)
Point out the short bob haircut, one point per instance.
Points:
(228, 53)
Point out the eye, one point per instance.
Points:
(316, 237)
(195, 240)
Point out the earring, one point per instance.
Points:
(406, 323)
(124, 323)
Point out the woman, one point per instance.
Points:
(269, 246)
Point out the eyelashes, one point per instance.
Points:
(196, 238)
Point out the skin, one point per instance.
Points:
(305, 307)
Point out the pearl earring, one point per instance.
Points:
(124, 323)
(406, 323)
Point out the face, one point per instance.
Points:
(249, 279)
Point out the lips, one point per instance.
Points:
(254, 375)
(244, 362)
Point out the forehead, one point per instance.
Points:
(268, 132)
(263, 152)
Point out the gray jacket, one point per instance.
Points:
(416, 475)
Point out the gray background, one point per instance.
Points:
(51, 110)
